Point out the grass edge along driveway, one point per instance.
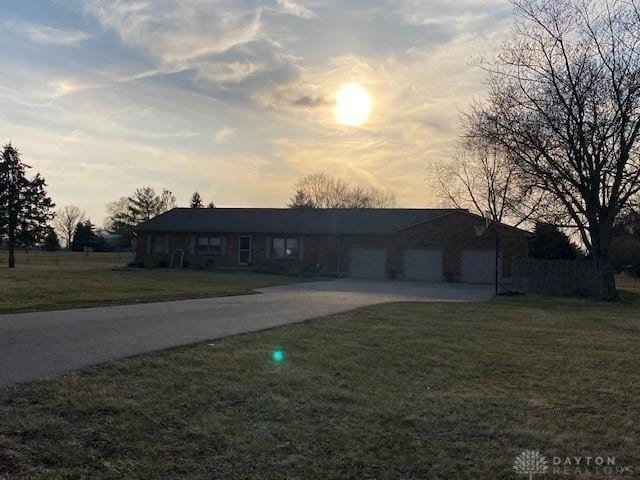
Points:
(37, 287)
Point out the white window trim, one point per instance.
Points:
(275, 256)
(208, 251)
(250, 249)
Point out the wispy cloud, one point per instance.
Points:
(44, 34)
(223, 135)
(178, 32)
(227, 72)
(296, 9)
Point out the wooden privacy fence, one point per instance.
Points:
(554, 277)
(67, 258)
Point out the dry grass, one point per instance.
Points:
(414, 391)
(627, 284)
(49, 286)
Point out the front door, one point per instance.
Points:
(244, 250)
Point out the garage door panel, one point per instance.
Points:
(479, 266)
(367, 263)
(423, 264)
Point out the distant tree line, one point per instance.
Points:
(319, 190)
(123, 216)
(197, 202)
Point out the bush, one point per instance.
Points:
(311, 271)
(162, 264)
(209, 264)
(625, 251)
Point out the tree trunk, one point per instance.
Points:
(604, 281)
(605, 284)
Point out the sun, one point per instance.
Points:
(353, 105)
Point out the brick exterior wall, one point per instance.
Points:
(455, 233)
(452, 234)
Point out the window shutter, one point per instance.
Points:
(192, 244)
(148, 241)
(267, 253)
(300, 247)
(223, 245)
(166, 243)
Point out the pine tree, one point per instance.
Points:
(196, 200)
(144, 204)
(83, 236)
(25, 208)
(51, 241)
(550, 242)
(127, 213)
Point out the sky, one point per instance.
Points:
(236, 98)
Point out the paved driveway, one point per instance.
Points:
(34, 345)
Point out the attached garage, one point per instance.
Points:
(422, 264)
(368, 263)
(479, 266)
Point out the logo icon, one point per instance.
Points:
(530, 462)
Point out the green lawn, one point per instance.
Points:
(47, 287)
(419, 391)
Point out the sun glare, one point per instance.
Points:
(353, 105)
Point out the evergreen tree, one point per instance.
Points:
(196, 200)
(25, 208)
(144, 204)
(126, 213)
(51, 241)
(551, 243)
(83, 236)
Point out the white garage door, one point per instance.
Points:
(479, 266)
(367, 262)
(425, 265)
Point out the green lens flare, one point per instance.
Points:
(278, 356)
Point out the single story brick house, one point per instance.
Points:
(413, 244)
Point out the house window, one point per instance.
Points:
(284, 248)
(158, 244)
(209, 245)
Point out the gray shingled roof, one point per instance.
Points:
(290, 220)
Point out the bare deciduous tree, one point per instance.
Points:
(320, 190)
(66, 220)
(564, 101)
(484, 180)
